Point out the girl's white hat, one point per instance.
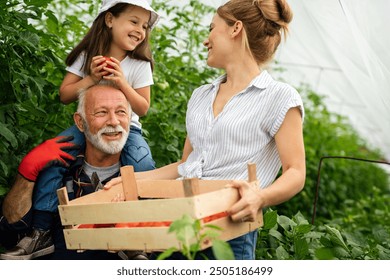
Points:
(154, 17)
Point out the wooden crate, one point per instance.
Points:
(149, 201)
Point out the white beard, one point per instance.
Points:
(111, 147)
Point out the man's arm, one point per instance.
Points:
(51, 152)
(18, 200)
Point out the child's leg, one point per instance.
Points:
(51, 179)
(137, 152)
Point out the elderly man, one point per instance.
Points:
(103, 115)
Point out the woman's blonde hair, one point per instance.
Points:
(264, 22)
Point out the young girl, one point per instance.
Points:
(115, 48)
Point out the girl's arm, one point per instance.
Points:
(72, 83)
(138, 98)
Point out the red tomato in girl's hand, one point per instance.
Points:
(108, 65)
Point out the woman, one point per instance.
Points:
(244, 116)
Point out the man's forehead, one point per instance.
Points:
(105, 94)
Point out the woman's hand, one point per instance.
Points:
(118, 197)
(113, 182)
(245, 210)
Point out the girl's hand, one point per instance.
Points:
(96, 68)
(115, 73)
(245, 210)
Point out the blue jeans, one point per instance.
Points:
(136, 153)
(243, 248)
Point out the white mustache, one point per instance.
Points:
(111, 129)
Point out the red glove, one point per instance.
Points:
(48, 153)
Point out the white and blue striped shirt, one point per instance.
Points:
(242, 133)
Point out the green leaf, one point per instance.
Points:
(282, 254)
(184, 229)
(340, 252)
(8, 135)
(270, 219)
(325, 241)
(302, 229)
(277, 235)
(355, 239)
(222, 250)
(357, 253)
(383, 253)
(4, 168)
(336, 237)
(301, 248)
(324, 254)
(286, 223)
(381, 234)
(167, 253)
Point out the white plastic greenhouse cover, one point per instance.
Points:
(341, 48)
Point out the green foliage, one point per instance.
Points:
(191, 235)
(352, 236)
(33, 48)
(329, 134)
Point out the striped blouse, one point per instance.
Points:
(242, 133)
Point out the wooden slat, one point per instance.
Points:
(147, 239)
(252, 175)
(129, 183)
(62, 195)
(63, 199)
(127, 211)
(150, 189)
(191, 187)
(215, 202)
(174, 188)
(232, 230)
(101, 196)
(198, 207)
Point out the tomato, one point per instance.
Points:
(86, 226)
(108, 65)
(103, 225)
(143, 224)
